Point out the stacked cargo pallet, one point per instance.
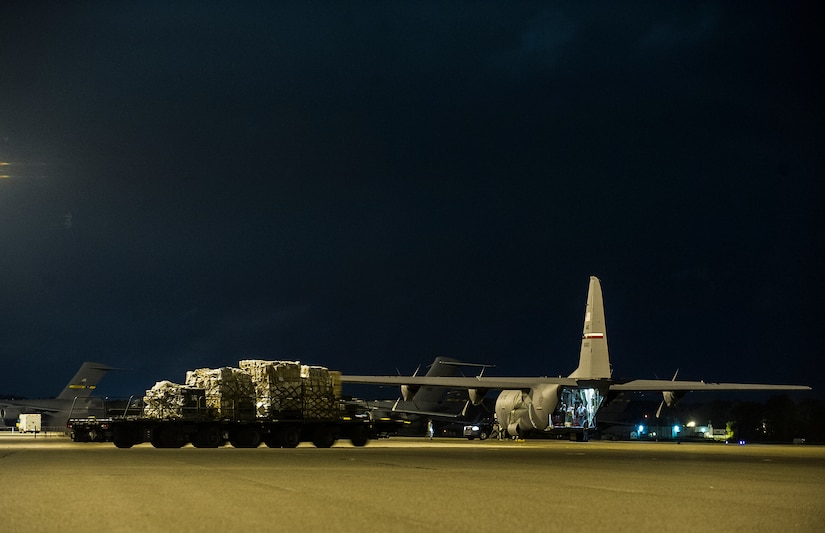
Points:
(230, 392)
(278, 387)
(170, 400)
(319, 397)
(258, 389)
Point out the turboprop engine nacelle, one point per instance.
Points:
(477, 395)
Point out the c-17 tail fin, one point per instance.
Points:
(594, 360)
(85, 381)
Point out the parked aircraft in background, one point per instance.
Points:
(564, 405)
(74, 398)
(448, 409)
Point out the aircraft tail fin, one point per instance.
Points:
(85, 381)
(594, 360)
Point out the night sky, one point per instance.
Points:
(369, 185)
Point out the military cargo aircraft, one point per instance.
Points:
(558, 405)
(74, 398)
(449, 409)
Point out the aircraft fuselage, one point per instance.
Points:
(547, 408)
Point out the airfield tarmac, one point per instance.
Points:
(410, 484)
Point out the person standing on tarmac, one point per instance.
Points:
(430, 430)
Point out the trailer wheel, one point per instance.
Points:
(123, 443)
(323, 437)
(207, 437)
(168, 437)
(359, 439)
(291, 437)
(78, 436)
(279, 438)
(246, 437)
(122, 439)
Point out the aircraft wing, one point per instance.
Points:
(503, 383)
(430, 414)
(28, 406)
(513, 383)
(668, 385)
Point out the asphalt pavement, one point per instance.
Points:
(406, 484)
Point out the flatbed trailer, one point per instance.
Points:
(126, 427)
(278, 403)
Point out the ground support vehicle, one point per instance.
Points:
(280, 404)
(30, 423)
(480, 430)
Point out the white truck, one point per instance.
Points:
(29, 423)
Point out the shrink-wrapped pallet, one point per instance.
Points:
(170, 400)
(278, 387)
(317, 381)
(319, 393)
(230, 393)
(321, 408)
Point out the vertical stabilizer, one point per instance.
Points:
(594, 361)
(85, 381)
(432, 398)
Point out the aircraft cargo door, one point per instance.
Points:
(577, 408)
